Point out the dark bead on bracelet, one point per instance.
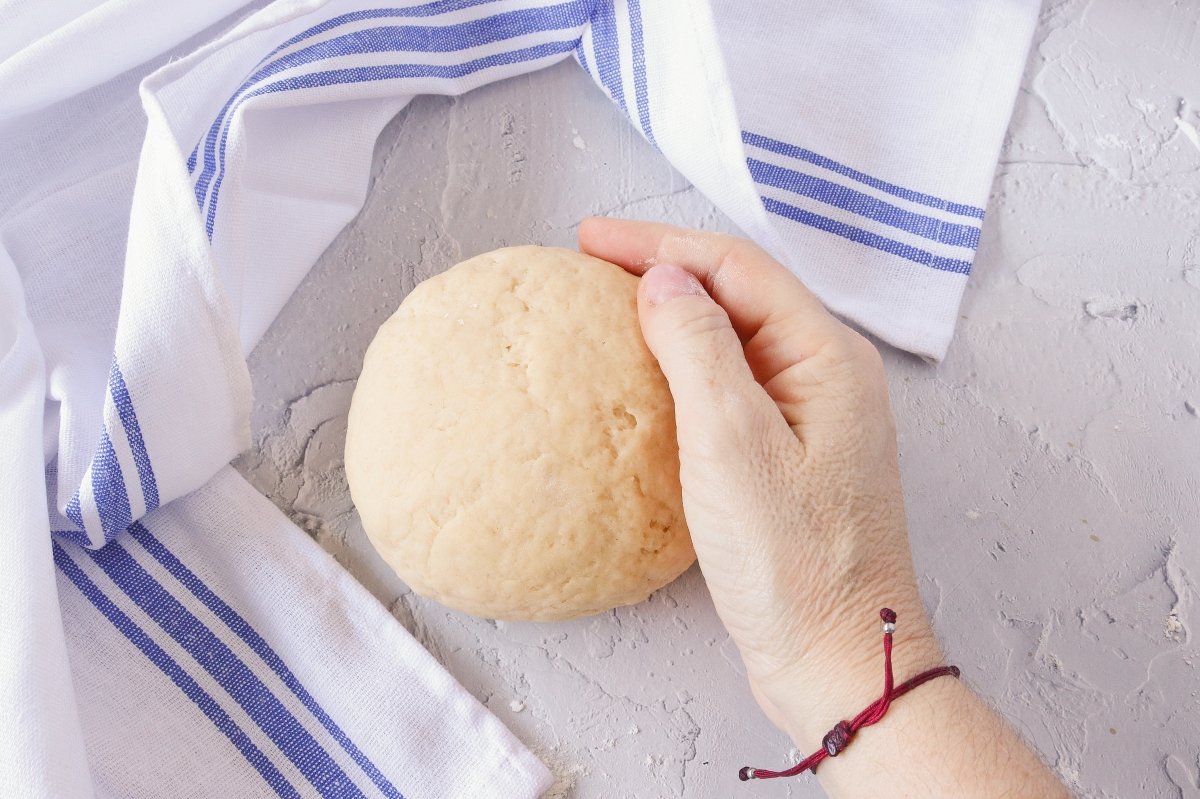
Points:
(837, 739)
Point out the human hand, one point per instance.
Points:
(788, 464)
(791, 489)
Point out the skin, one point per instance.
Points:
(791, 489)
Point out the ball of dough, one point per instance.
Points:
(511, 445)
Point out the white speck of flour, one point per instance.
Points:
(1189, 131)
(1173, 627)
(516, 706)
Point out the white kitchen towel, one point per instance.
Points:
(152, 226)
(327, 678)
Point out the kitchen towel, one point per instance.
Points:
(169, 172)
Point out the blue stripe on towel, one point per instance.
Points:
(638, 51)
(74, 536)
(412, 12)
(387, 72)
(392, 38)
(110, 493)
(238, 680)
(75, 514)
(861, 236)
(409, 12)
(607, 52)
(234, 621)
(799, 153)
(579, 54)
(108, 489)
(133, 432)
(863, 204)
(155, 654)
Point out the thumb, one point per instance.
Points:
(715, 393)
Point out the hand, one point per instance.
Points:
(788, 462)
(790, 478)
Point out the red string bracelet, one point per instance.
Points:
(843, 732)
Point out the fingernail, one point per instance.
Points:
(666, 281)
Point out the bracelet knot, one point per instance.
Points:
(837, 739)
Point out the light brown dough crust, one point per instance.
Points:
(511, 446)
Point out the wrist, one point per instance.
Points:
(841, 671)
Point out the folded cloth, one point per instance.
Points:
(326, 677)
(174, 634)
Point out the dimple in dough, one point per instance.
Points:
(511, 445)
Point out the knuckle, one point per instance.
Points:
(866, 352)
(736, 254)
(851, 356)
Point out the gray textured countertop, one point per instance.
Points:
(1051, 463)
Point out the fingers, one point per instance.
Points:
(814, 368)
(759, 294)
(716, 396)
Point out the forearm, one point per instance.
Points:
(940, 740)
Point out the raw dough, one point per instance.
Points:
(511, 444)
